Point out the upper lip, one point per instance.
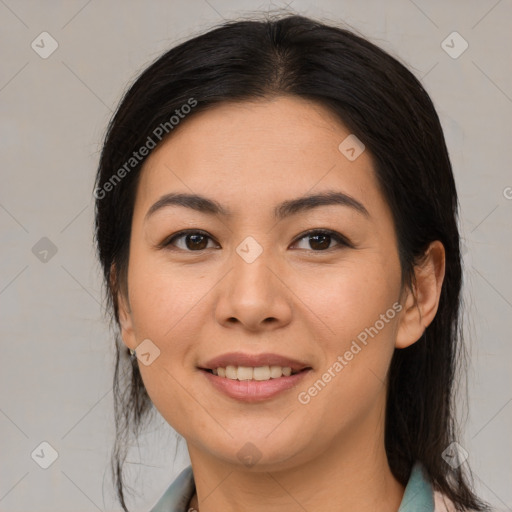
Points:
(255, 360)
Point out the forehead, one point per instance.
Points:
(257, 153)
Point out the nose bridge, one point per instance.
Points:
(253, 293)
(250, 261)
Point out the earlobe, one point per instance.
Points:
(421, 303)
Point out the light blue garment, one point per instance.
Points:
(418, 495)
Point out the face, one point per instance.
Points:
(316, 282)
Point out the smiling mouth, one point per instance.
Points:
(254, 384)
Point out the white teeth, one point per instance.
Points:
(244, 373)
(262, 373)
(250, 373)
(287, 371)
(231, 372)
(275, 372)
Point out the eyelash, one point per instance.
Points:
(342, 241)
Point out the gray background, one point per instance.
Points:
(56, 351)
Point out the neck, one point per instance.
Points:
(351, 474)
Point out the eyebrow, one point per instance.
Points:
(285, 209)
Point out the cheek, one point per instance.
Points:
(166, 309)
(161, 300)
(350, 298)
(357, 353)
(358, 304)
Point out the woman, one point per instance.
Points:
(276, 219)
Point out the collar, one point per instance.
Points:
(418, 495)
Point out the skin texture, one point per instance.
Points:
(295, 299)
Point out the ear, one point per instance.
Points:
(421, 303)
(124, 312)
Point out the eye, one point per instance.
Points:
(320, 239)
(194, 240)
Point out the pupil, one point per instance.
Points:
(314, 239)
(195, 239)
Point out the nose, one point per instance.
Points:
(254, 294)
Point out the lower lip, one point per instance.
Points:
(254, 390)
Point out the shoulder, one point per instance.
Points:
(420, 494)
(178, 494)
(442, 503)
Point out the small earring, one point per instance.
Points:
(132, 353)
